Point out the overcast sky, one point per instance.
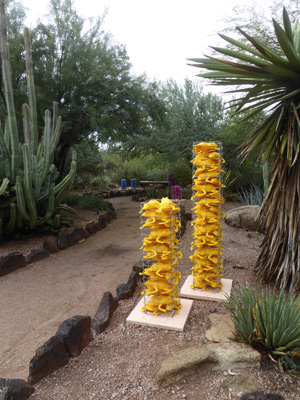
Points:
(159, 34)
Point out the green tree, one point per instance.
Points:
(78, 65)
(191, 116)
(270, 81)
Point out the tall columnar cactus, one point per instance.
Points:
(29, 197)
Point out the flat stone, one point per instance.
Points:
(209, 357)
(107, 307)
(36, 255)
(222, 329)
(51, 356)
(15, 389)
(76, 332)
(237, 386)
(11, 262)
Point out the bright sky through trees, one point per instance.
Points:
(159, 34)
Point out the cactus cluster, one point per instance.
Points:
(29, 198)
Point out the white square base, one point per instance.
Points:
(166, 320)
(212, 294)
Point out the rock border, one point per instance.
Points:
(15, 260)
(75, 333)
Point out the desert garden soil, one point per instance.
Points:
(122, 362)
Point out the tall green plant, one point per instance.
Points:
(265, 79)
(29, 198)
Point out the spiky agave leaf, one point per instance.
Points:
(264, 80)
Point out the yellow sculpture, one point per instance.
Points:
(207, 258)
(161, 246)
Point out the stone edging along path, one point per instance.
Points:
(15, 260)
(75, 333)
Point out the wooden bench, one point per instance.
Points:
(150, 183)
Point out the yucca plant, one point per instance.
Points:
(264, 79)
(266, 321)
(29, 197)
(241, 305)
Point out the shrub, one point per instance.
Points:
(92, 203)
(253, 195)
(71, 199)
(100, 182)
(153, 192)
(268, 322)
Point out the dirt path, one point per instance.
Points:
(122, 362)
(36, 299)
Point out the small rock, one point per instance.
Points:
(107, 307)
(15, 389)
(62, 240)
(36, 255)
(102, 221)
(76, 332)
(50, 247)
(51, 356)
(11, 262)
(92, 227)
(258, 396)
(124, 292)
(236, 386)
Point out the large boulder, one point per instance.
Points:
(222, 329)
(244, 218)
(208, 356)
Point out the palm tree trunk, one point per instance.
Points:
(279, 261)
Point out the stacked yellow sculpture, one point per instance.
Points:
(207, 258)
(162, 246)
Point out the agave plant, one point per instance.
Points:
(264, 79)
(266, 321)
(29, 197)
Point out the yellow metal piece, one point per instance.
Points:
(162, 246)
(207, 256)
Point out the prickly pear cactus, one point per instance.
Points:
(29, 197)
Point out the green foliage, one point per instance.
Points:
(71, 199)
(241, 306)
(253, 195)
(29, 197)
(100, 182)
(187, 192)
(269, 322)
(183, 172)
(144, 167)
(90, 202)
(154, 192)
(191, 116)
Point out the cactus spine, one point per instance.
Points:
(29, 197)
